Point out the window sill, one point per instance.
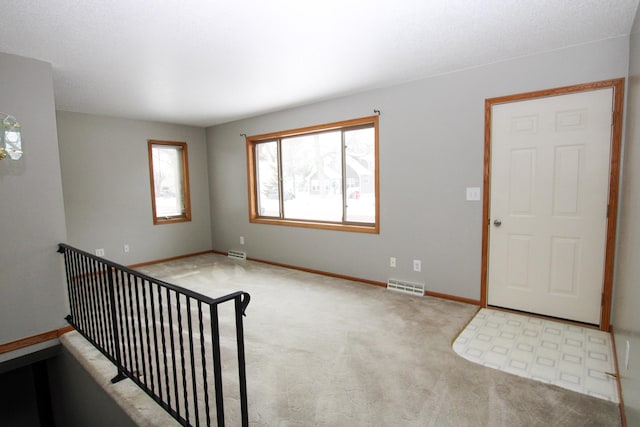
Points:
(170, 220)
(356, 228)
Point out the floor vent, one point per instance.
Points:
(237, 254)
(406, 287)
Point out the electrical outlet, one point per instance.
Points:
(417, 265)
(392, 262)
(99, 252)
(473, 193)
(125, 248)
(242, 240)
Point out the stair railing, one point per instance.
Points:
(165, 338)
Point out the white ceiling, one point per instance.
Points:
(204, 62)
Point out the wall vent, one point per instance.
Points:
(406, 287)
(237, 254)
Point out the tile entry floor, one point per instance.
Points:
(566, 355)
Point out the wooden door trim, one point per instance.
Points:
(614, 182)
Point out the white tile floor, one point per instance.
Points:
(569, 356)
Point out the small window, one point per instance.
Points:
(169, 172)
(320, 177)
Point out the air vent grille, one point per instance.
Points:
(406, 287)
(237, 254)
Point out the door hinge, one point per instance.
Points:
(602, 300)
(608, 209)
(613, 117)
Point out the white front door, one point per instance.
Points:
(550, 161)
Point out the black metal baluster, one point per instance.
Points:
(99, 303)
(122, 281)
(204, 364)
(132, 329)
(143, 284)
(217, 367)
(82, 288)
(78, 288)
(118, 292)
(184, 375)
(106, 309)
(142, 374)
(121, 324)
(73, 298)
(88, 286)
(110, 313)
(173, 355)
(114, 322)
(240, 307)
(164, 346)
(95, 306)
(88, 327)
(153, 286)
(193, 364)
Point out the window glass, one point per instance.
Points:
(360, 175)
(169, 181)
(322, 177)
(267, 177)
(312, 177)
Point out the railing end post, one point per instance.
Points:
(121, 376)
(61, 249)
(246, 298)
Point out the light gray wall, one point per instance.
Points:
(626, 316)
(431, 149)
(107, 192)
(33, 296)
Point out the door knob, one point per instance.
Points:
(497, 223)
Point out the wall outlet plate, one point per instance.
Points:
(99, 252)
(392, 262)
(473, 193)
(417, 265)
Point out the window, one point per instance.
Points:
(321, 177)
(169, 172)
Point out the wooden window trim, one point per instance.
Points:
(251, 142)
(185, 183)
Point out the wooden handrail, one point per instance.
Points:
(34, 339)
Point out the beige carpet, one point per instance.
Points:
(329, 352)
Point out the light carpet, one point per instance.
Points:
(567, 355)
(323, 351)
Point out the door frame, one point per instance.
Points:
(614, 182)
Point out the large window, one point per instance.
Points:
(169, 171)
(322, 176)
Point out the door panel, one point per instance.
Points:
(566, 185)
(565, 266)
(550, 162)
(519, 257)
(521, 180)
